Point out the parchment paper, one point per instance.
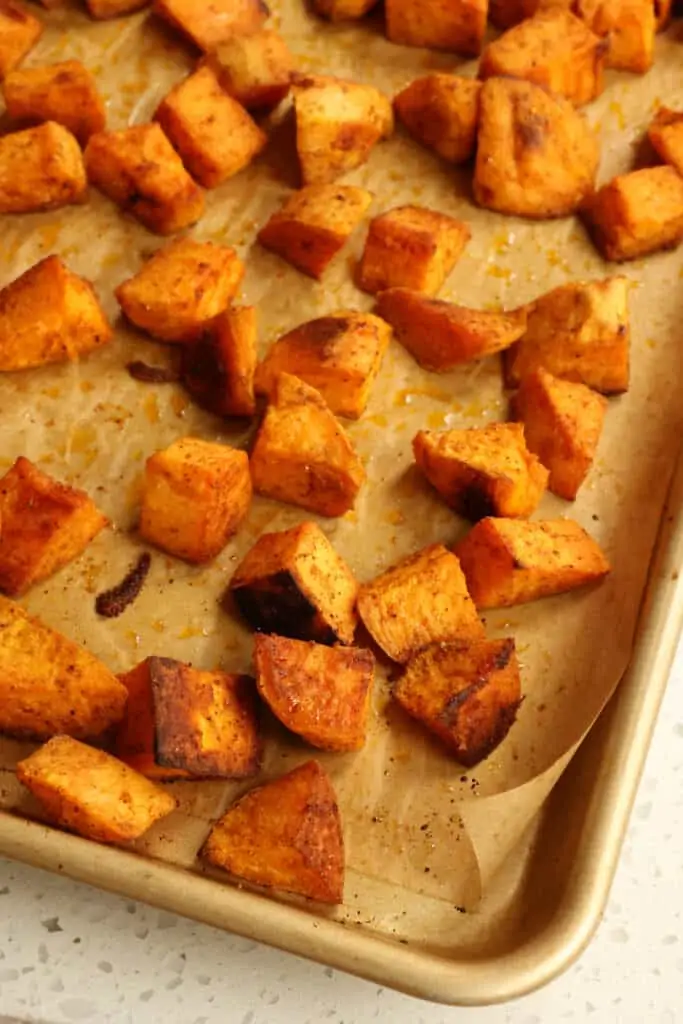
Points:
(422, 834)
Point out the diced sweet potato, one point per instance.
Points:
(420, 601)
(286, 834)
(482, 471)
(135, 739)
(663, 13)
(19, 32)
(41, 169)
(181, 289)
(321, 693)
(302, 455)
(411, 247)
(506, 13)
(209, 24)
(295, 584)
(43, 526)
(91, 793)
(218, 370)
(314, 224)
(49, 684)
(337, 125)
(214, 135)
(139, 169)
(255, 69)
(195, 496)
(509, 562)
(456, 25)
(65, 93)
(629, 28)
(339, 355)
(554, 49)
(49, 315)
(442, 112)
(536, 155)
(343, 10)
(580, 332)
(102, 9)
(466, 693)
(666, 135)
(441, 335)
(562, 425)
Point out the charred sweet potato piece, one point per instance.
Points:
(314, 225)
(420, 601)
(441, 335)
(91, 793)
(321, 693)
(580, 332)
(442, 112)
(506, 13)
(562, 425)
(209, 24)
(666, 135)
(19, 32)
(411, 247)
(40, 169)
(139, 169)
(482, 471)
(103, 9)
(177, 294)
(49, 684)
(466, 693)
(337, 124)
(213, 133)
(218, 370)
(255, 69)
(554, 49)
(629, 28)
(343, 10)
(286, 834)
(43, 526)
(536, 155)
(295, 584)
(456, 25)
(509, 562)
(135, 739)
(302, 455)
(49, 315)
(195, 496)
(663, 13)
(65, 93)
(339, 355)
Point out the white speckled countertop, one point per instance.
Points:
(69, 953)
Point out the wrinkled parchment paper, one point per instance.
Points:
(423, 835)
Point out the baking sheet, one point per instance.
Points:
(92, 425)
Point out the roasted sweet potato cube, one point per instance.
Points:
(286, 834)
(536, 155)
(315, 224)
(135, 739)
(302, 455)
(177, 294)
(580, 332)
(255, 69)
(320, 693)
(195, 496)
(49, 684)
(482, 471)
(209, 24)
(441, 335)
(562, 425)
(554, 49)
(337, 124)
(91, 793)
(65, 93)
(295, 584)
(49, 315)
(466, 693)
(506, 13)
(139, 169)
(218, 370)
(19, 32)
(102, 9)
(343, 10)
(442, 112)
(629, 28)
(662, 13)
(214, 135)
(666, 135)
(456, 25)
(411, 247)
(40, 169)
(339, 355)
(420, 601)
(43, 526)
(509, 562)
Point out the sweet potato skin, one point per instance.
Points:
(219, 370)
(208, 25)
(19, 32)
(442, 112)
(64, 92)
(134, 741)
(439, 25)
(40, 169)
(255, 69)
(509, 562)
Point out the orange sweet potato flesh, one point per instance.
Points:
(442, 112)
(666, 135)
(219, 370)
(134, 742)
